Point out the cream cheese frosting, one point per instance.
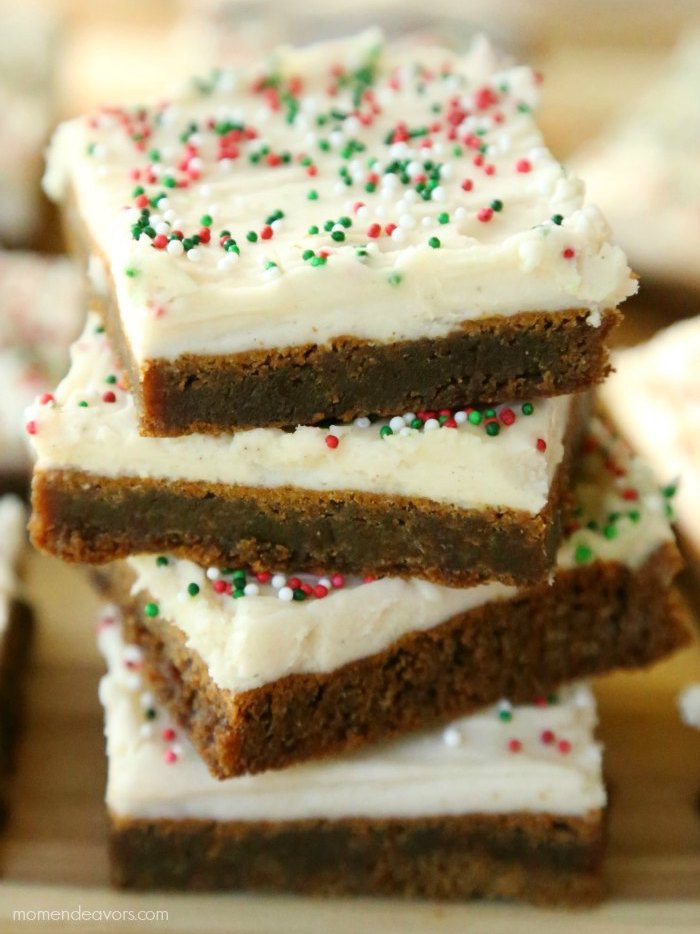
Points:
(13, 520)
(689, 705)
(40, 314)
(252, 629)
(645, 171)
(506, 460)
(654, 396)
(350, 189)
(486, 763)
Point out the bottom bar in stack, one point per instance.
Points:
(506, 803)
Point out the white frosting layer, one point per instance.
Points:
(263, 634)
(40, 314)
(210, 300)
(689, 705)
(655, 398)
(660, 139)
(13, 521)
(468, 768)
(463, 466)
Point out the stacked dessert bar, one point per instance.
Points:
(326, 433)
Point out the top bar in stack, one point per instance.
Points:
(352, 229)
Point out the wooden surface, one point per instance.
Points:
(54, 854)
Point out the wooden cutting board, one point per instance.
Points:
(54, 850)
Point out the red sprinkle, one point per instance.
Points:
(266, 232)
(338, 581)
(507, 416)
(31, 428)
(514, 745)
(219, 586)
(169, 756)
(564, 746)
(168, 734)
(160, 242)
(523, 165)
(109, 396)
(374, 230)
(332, 442)
(320, 591)
(630, 494)
(547, 737)
(294, 583)
(46, 398)
(485, 214)
(541, 445)
(467, 184)
(263, 576)
(390, 228)
(568, 253)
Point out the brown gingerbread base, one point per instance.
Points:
(591, 620)
(539, 858)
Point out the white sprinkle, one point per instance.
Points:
(278, 580)
(407, 221)
(414, 168)
(431, 424)
(278, 224)
(396, 423)
(194, 255)
(405, 431)
(181, 596)
(410, 196)
(362, 211)
(175, 248)
(325, 582)
(227, 261)
(459, 213)
(398, 235)
(362, 422)
(213, 574)
(452, 737)
(168, 215)
(439, 193)
(446, 170)
(251, 590)
(285, 594)
(339, 188)
(132, 215)
(146, 730)
(408, 417)
(460, 417)
(147, 700)
(225, 165)
(427, 221)
(163, 228)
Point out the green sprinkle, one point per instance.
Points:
(634, 515)
(193, 589)
(318, 261)
(497, 205)
(238, 592)
(527, 408)
(557, 219)
(670, 490)
(610, 531)
(206, 220)
(151, 609)
(338, 236)
(312, 195)
(385, 431)
(313, 229)
(434, 242)
(130, 272)
(416, 423)
(251, 236)
(523, 108)
(505, 715)
(139, 190)
(489, 413)
(443, 217)
(345, 221)
(111, 379)
(492, 429)
(370, 187)
(161, 561)
(307, 254)
(299, 594)
(474, 418)
(169, 182)
(394, 278)
(582, 554)
(150, 714)
(82, 404)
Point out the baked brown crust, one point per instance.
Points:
(80, 517)
(519, 357)
(592, 619)
(540, 858)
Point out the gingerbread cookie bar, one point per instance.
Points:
(15, 633)
(492, 806)
(41, 312)
(460, 497)
(349, 229)
(266, 670)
